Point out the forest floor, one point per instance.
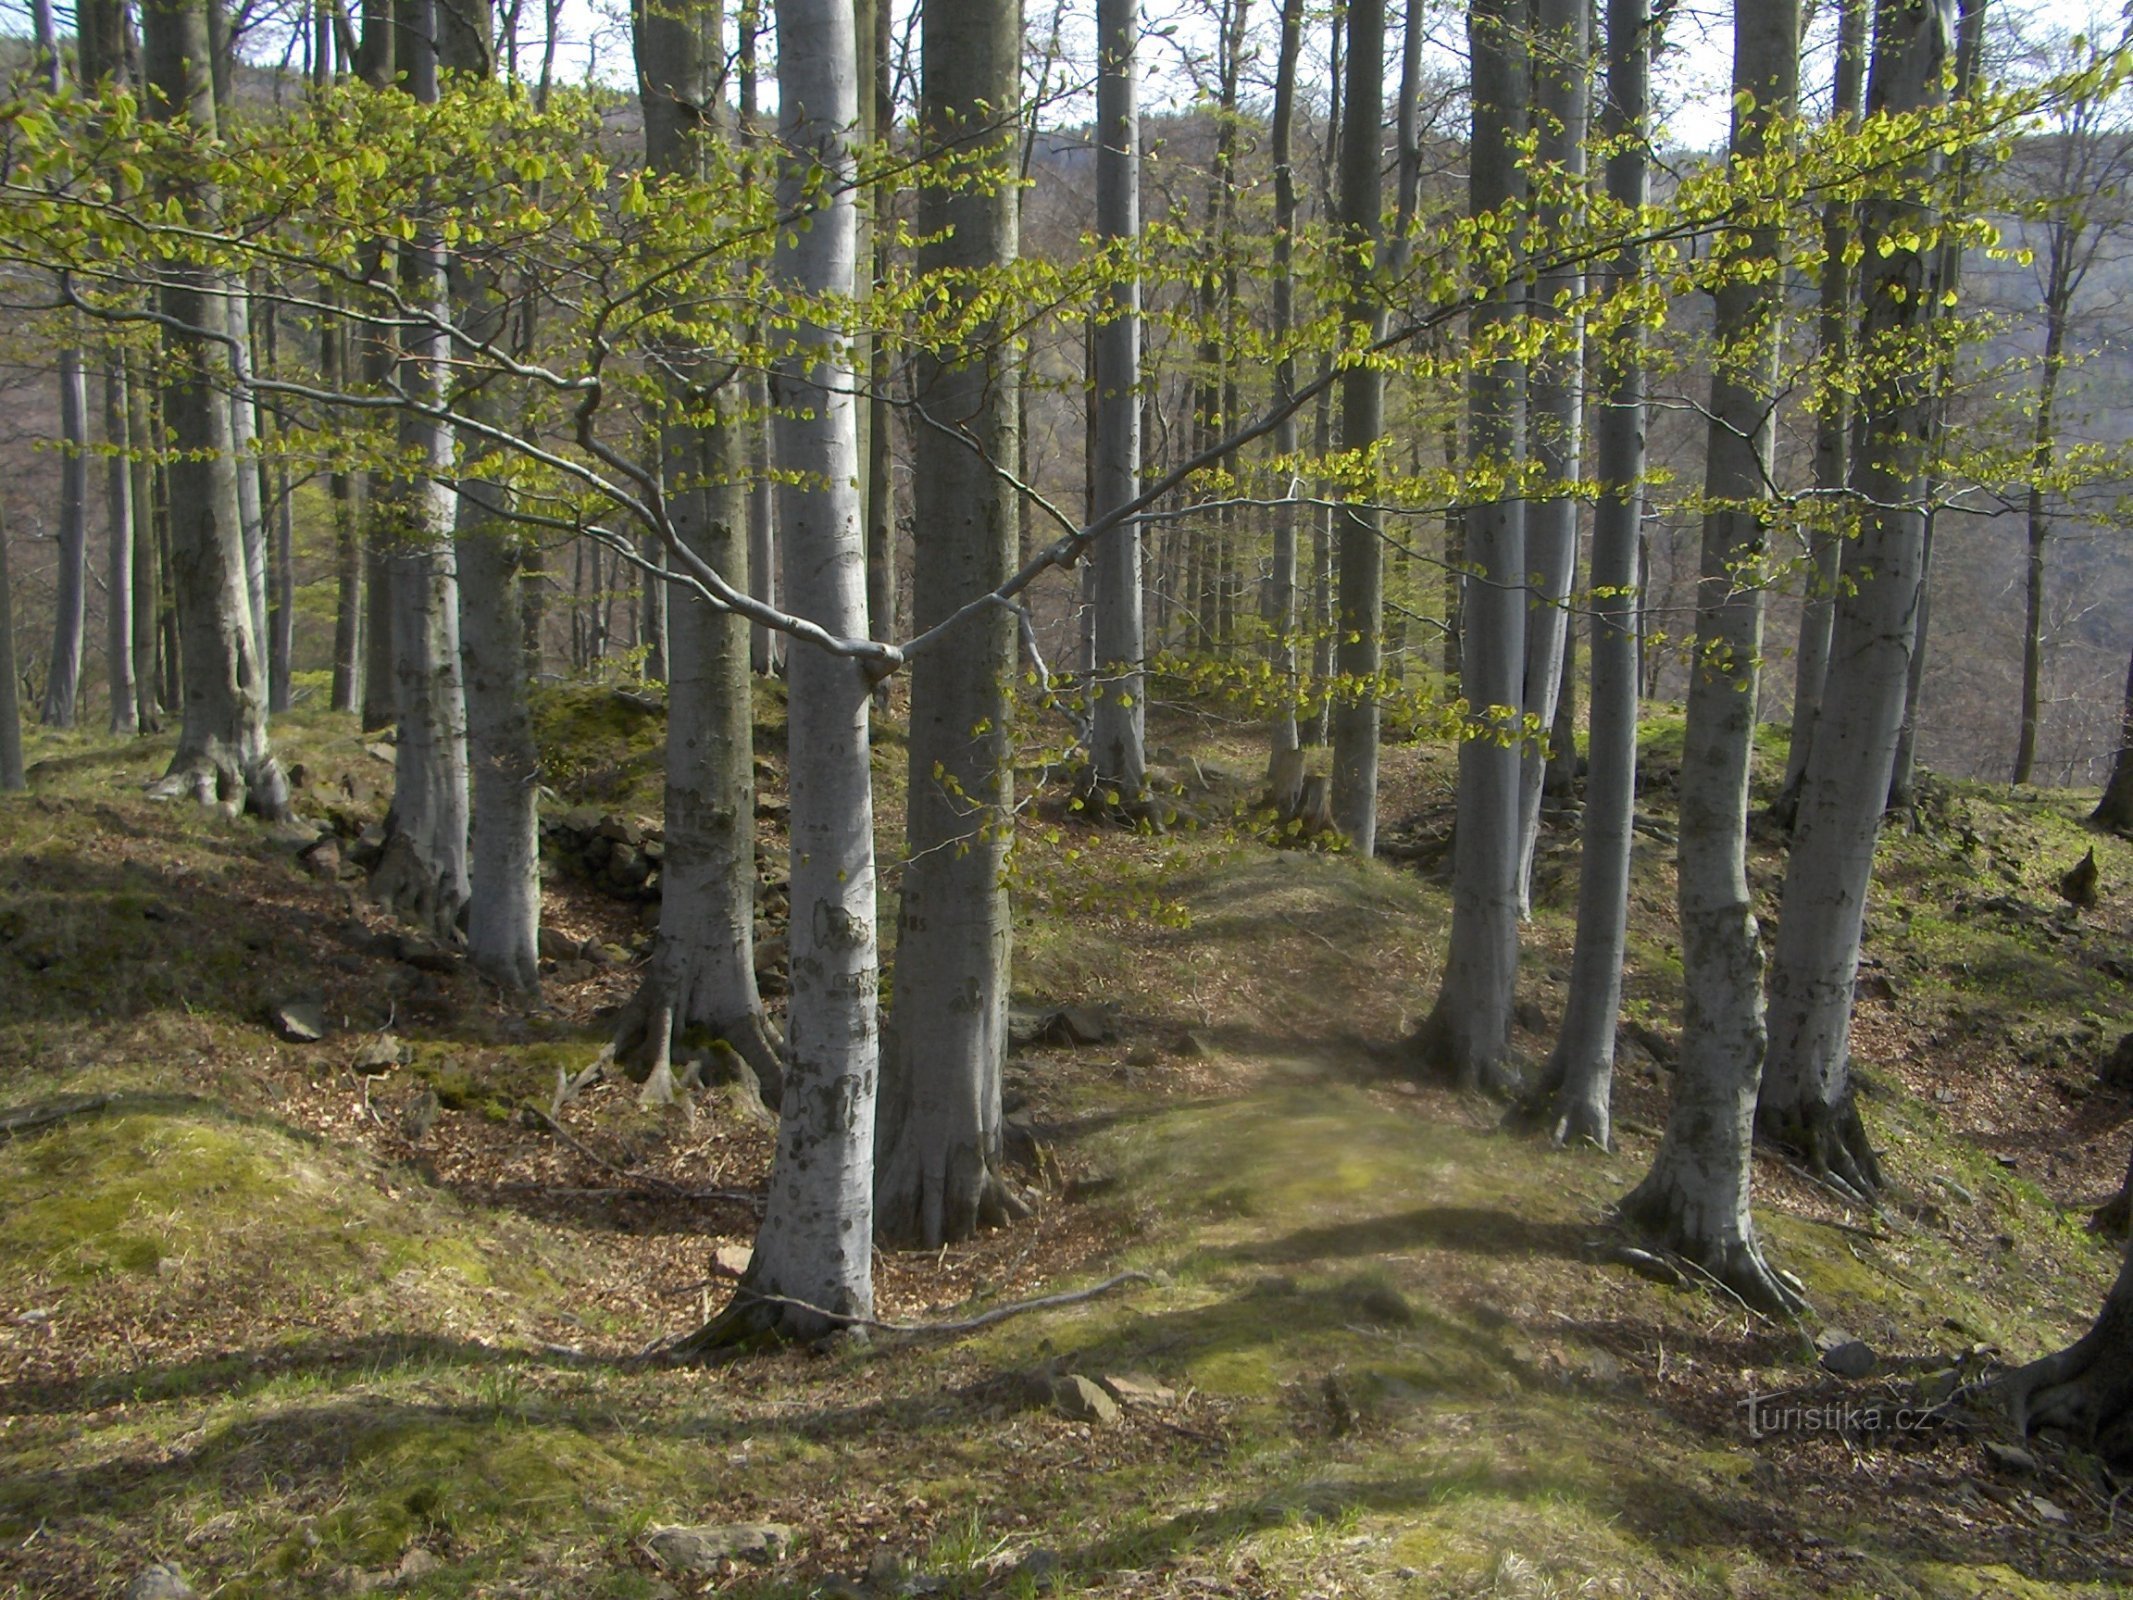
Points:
(343, 1318)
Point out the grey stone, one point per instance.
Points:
(301, 1021)
(1026, 1025)
(556, 945)
(2011, 1457)
(1084, 1400)
(1084, 1025)
(163, 1581)
(701, 1549)
(1854, 1358)
(382, 1054)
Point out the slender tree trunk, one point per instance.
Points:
(422, 875)
(140, 417)
(1285, 763)
(341, 489)
(223, 756)
(244, 431)
(938, 1151)
(1806, 1100)
(118, 591)
(62, 682)
(1834, 514)
(1562, 64)
(814, 1250)
(12, 780)
(1468, 1035)
(1573, 1098)
(1695, 1199)
(2085, 1390)
(2044, 451)
(281, 609)
(701, 983)
(1118, 736)
(1360, 551)
(1947, 287)
(882, 586)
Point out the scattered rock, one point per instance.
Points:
(2117, 1069)
(163, 1581)
(419, 1562)
(420, 1115)
(1084, 1400)
(1040, 1566)
(323, 859)
(424, 955)
(1853, 1358)
(378, 750)
(2009, 1457)
(2046, 1510)
(701, 1549)
(1086, 1025)
(556, 945)
(2077, 885)
(1143, 1055)
(1195, 1045)
(731, 1260)
(301, 1021)
(1137, 1389)
(382, 1054)
(2007, 1163)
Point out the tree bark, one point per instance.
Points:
(2115, 810)
(814, 1251)
(12, 779)
(1563, 52)
(1468, 1034)
(503, 920)
(1695, 1199)
(1833, 517)
(1359, 551)
(701, 983)
(118, 591)
(938, 1150)
(223, 755)
(2085, 1390)
(62, 683)
(1285, 763)
(1118, 719)
(1572, 1100)
(422, 875)
(1806, 1100)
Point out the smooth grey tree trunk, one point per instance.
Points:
(1562, 54)
(1285, 760)
(422, 875)
(223, 757)
(939, 1153)
(1695, 1199)
(503, 914)
(766, 646)
(1834, 516)
(1468, 1034)
(118, 589)
(70, 590)
(1573, 1098)
(1359, 552)
(12, 779)
(244, 431)
(1806, 1100)
(701, 983)
(2115, 809)
(140, 418)
(2085, 1390)
(814, 1251)
(343, 492)
(1119, 716)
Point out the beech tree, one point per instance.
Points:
(1359, 554)
(1695, 1199)
(813, 1264)
(1833, 420)
(1468, 1033)
(223, 756)
(422, 874)
(1572, 1098)
(12, 779)
(1118, 715)
(1555, 411)
(62, 681)
(1285, 765)
(1806, 1101)
(939, 1145)
(2085, 1390)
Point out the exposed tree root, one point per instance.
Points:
(1443, 1048)
(1570, 1107)
(2085, 1390)
(1830, 1142)
(650, 1032)
(215, 778)
(919, 1210)
(1725, 1256)
(755, 1318)
(411, 890)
